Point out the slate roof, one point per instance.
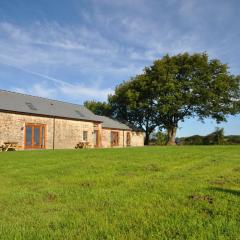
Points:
(17, 102)
(110, 123)
(23, 103)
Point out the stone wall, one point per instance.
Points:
(106, 137)
(12, 128)
(70, 132)
(67, 132)
(137, 138)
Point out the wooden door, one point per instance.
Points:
(96, 138)
(128, 139)
(35, 136)
(114, 139)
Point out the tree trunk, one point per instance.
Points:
(146, 140)
(171, 136)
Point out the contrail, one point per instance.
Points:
(55, 80)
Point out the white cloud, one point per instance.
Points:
(54, 45)
(41, 90)
(122, 37)
(59, 87)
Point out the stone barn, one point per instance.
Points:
(40, 123)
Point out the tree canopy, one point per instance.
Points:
(99, 108)
(192, 86)
(133, 101)
(173, 89)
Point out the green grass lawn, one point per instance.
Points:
(134, 193)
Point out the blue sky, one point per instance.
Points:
(77, 50)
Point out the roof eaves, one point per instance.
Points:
(46, 115)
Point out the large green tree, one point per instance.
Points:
(171, 90)
(175, 88)
(192, 86)
(133, 102)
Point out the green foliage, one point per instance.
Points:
(215, 138)
(133, 193)
(133, 101)
(159, 138)
(175, 88)
(192, 140)
(192, 85)
(232, 139)
(99, 108)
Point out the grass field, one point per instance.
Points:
(135, 193)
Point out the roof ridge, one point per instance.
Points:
(25, 94)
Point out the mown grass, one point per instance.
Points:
(134, 193)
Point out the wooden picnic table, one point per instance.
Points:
(83, 144)
(9, 146)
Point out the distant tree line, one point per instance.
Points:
(215, 138)
(171, 90)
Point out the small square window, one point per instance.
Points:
(85, 136)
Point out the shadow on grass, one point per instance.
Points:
(225, 190)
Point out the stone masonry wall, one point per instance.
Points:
(106, 137)
(137, 138)
(70, 132)
(12, 128)
(67, 132)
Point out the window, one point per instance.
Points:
(29, 136)
(114, 138)
(85, 136)
(43, 135)
(35, 136)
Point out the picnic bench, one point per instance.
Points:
(8, 146)
(83, 144)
